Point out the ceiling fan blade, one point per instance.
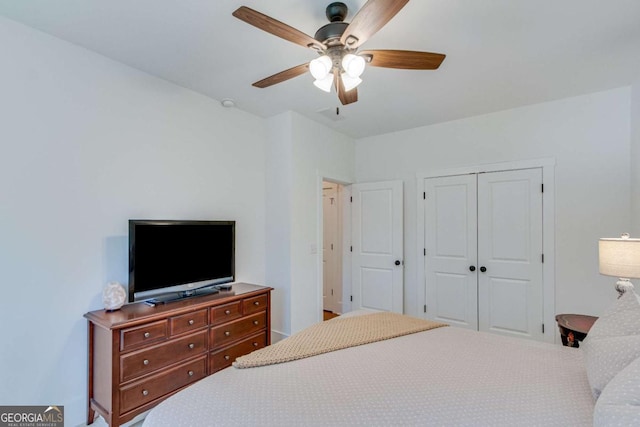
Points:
(344, 96)
(403, 59)
(275, 27)
(373, 16)
(282, 76)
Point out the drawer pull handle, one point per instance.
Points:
(190, 373)
(192, 346)
(191, 322)
(145, 362)
(147, 334)
(227, 333)
(145, 392)
(227, 312)
(255, 344)
(256, 303)
(226, 357)
(255, 322)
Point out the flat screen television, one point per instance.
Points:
(170, 260)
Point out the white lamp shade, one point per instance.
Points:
(353, 65)
(620, 257)
(320, 67)
(325, 83)
(350, 82)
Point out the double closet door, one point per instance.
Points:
(483, 255)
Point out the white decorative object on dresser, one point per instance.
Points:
(140, 354)
(113, 296)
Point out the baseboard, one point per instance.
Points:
(277, 336)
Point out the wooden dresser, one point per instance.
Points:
(140, 355)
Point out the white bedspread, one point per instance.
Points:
(443, 377)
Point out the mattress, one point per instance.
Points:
(442, 377)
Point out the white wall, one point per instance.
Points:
(278, 182)
(86, 144)
(589, 138)
(318, 152)
(300, 153)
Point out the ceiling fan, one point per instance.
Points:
(340, 63)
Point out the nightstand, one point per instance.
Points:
(574, 328)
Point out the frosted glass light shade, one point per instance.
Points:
(350, 82)
(619, 257)
(325, 83)
(353, 65)
(320, 67)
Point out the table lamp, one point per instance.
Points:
(620, 257)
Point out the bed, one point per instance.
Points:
(440, 377)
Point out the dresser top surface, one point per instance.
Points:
(140, 312)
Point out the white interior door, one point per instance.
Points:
(510, 253)
(377, 243)
(331, 248)
(450, 253)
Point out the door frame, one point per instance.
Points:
(321, 176)
(548, 228)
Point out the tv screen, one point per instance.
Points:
(179, 257)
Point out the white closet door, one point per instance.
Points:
(450, 236)
(377, 239)
(510, 250)
(330, 249)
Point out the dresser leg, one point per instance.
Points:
(91, 415)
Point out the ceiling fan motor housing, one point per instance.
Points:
(330, 34)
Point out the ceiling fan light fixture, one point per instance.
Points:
(350, 82)
(320, 67)
(353, 65)
(325, 83)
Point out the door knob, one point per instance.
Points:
(397, 262)
(483, 268)
(472, 268)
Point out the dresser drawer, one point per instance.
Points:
(152, 388)
(143, 335)
(225, 313)
(255, 304)
(238, 329)
(142, 362)
(223, 358)
(188, 322)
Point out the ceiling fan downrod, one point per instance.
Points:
(330, 34)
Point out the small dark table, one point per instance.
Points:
(574, 328)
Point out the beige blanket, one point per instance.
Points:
(336, 334)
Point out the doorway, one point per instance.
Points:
(360, 265)
(332, 266)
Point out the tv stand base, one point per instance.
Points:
(179, 296)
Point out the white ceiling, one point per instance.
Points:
(500, 53)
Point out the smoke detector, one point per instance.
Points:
(228, 103)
